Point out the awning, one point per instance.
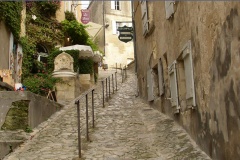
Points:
(97, 56)
(84, 51)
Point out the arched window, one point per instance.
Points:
(42, 53)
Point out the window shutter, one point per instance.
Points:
(173, 87)
(160, 77)
(150, 85)
(112, 4)
(114, 27)
(188, 67)
(169, 8)
(144, 17)
(69, 7)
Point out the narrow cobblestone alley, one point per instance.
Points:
(127, 128)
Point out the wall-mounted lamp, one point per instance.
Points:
(106, 25)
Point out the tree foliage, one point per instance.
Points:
(75, 31)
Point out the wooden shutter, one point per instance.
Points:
(160, 77)
(144, 17)
(169, 8)
(150, 85)
(188, 68)
(174, 87)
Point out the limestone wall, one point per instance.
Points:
(212, 28)
(115, 50)
(39, 109)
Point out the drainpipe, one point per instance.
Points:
(134, 36)
(104, 38)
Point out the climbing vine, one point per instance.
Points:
(10, 13)
(43, 28)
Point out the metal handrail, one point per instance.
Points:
(85, 94)
(77, 102)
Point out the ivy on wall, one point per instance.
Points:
(10, 13)
(43, 28)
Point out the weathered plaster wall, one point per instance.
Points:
(4, 46)
(96, 16)
(115, 50)
(40, 108)
(213, 29)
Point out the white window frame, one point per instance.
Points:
(115, 5)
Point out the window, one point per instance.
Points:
(115, 5)
(182, 81)
(153, 83)
(115, 26)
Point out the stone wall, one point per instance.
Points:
(212, 28)
(39, 109)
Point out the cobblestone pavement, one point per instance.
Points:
(127, 128)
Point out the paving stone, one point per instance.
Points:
(126, 129)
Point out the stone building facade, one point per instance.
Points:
(11, 53)
(188, 58)
(113, 14)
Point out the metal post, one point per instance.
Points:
(121, 68)
(112, 83)
(79, 133)
(93, 108)
(106, 91)
(103, 92)
(109, 79)
(122, 74)
(116, 67)
(87, 117)
(116, 80)
(126, 72)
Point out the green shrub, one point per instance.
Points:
(69, 16)
(40, 83)
(85, 66)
